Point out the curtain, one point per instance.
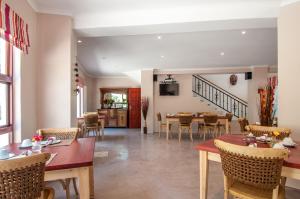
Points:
(13, 28)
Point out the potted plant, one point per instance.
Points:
(145, 107)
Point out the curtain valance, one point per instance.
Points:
(13, 28)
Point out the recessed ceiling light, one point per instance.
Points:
(79, 41)
(159, 37)
(162, 56)
(222, 53)
(244, 32)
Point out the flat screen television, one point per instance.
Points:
(169, 89)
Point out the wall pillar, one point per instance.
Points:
(259, 79)
(147, 91)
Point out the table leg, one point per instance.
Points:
(91, 172)
(203, 158)
(227, 127)
(167, 129)
(84, 183)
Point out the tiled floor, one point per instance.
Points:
(135, 166)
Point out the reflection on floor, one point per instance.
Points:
(129, 165)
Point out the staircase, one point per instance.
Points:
(219, 97)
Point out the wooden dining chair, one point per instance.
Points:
(243, 122)
(229, 117)
(91, 123)
(251, 172)
(210, 125)
(62, 134)
(201, 124)
(162, 125)
(185, 123)
(24, 178)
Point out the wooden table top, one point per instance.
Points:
(293, 161)
(79, 154)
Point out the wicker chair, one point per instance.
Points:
(184, 113)
(162, 125)
(185, 122)
(24, 178)
(261, 130)
(251, 172)
(63, 134)
(243, 123)
(91, 124)
(210, 124)
(229, 116)
(60, 133)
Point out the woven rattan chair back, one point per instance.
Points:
(184, 113)
(185, 120)
(158, 115)
(229, 116)
(23, 177)
(258, 167)
(210, 119)
(90, 120)
(59, 133)
(257, 130)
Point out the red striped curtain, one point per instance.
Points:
(13, 28)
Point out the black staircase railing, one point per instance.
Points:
(219, 97)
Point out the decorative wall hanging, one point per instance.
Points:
(233, 79)
(76, 79)
(13, 28)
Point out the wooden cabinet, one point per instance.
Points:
(114, 117)
(122, 118)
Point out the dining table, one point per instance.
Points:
(209, 152)
(71, 161)
(222, 119)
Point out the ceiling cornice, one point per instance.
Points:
(288, 2)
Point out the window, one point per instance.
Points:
(79, 102)
(5, 92)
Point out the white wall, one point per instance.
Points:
(186, 102)
(107, 82)
(289, 67)
(26, 113)
(147, 91)
(54, 71)
(288, 71)
(259, 79)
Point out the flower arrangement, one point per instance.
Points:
(145, 107)
(266, 109)
(276, 133)
(37, 138)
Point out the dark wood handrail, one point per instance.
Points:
(219, 88)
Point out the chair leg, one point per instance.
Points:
(275, 193)
(204, 132)
(159, 130)
(75, 186)
(191, 134)
(66, 186)
(225, 187)
(179, 136)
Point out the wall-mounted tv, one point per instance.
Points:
(169, 89)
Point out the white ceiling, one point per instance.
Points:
(120, 54)
(113, 17)
(120, 36)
